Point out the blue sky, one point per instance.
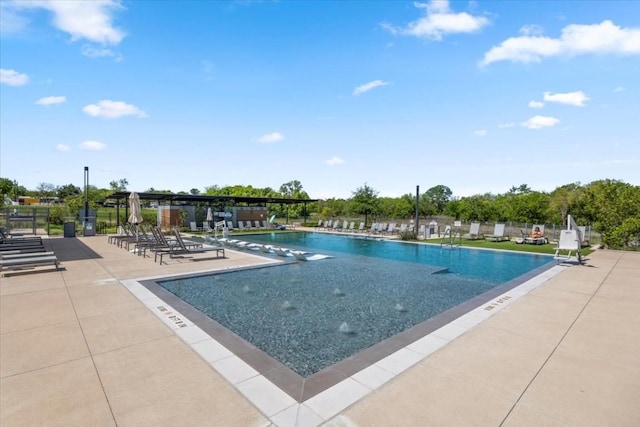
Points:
(479, 96)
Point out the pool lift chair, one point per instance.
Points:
(570, 241)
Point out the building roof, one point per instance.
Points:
(208, 200)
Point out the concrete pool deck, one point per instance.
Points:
(78, 348)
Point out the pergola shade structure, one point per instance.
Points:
(121, 198)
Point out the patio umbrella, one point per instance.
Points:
(136, 215)
(209, 216)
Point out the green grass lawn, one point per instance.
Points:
(549, 248)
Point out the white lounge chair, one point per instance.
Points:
(498, 234)
(536, 240)
(474, 232)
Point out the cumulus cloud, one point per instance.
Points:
(271, 138)
(51, 100)
(438, 21)
(480, 132)
(602, 39)
(572, 98)
(92, 146)
(13, 78)
(536, 104)
(539, 122)
(108, 109)
(334, 161)
(63, 147)
(82, 20)
(368, 86)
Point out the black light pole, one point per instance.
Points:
(86, 192)
(417, 208)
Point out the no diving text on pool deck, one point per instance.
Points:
(175, 319)
(497, 303)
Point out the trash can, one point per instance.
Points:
(89, 226)
(69, 229)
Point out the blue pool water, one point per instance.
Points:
(310, 315)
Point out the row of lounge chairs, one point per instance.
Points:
(154, 241)
(19, 253)
(384, 228)
(242, 225)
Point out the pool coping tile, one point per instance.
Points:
(289, 399)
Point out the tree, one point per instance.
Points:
(614, 209)
(68, 190)
(438, 197)
(293, 190)
(194, 191)
(120, 185)
(562, 201)
(46, 189)
(365, 201)
(6, 188)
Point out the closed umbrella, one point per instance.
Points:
(136, 215)
(209, 216)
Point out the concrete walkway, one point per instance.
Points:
(77, 348)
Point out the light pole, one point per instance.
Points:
(15, 191)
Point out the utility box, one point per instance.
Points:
(89, 226)
(69, 229)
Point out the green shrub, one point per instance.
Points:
(408, 235)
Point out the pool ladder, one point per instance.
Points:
(450, 234)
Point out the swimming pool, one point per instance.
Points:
(311, 315)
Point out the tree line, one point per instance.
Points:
(612, 207)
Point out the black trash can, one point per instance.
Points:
(70, 229)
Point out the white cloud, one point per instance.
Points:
(63, 147)
(536, 104)
(88, 20)
(506, 125)
(604, 38)
(539, 122)
(92, 146)
(481, 132)
(113, 110)
(438, 21)
(51, 100)
(571, 98)
(271, 138)
(334, 161)
(368, 86)
(618, 89)
(13, 78)
(100, 52)
(531, 30)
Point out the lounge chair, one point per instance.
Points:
(194, 227)
(360, 227)
(182, 248)
(569, 241)
(498, 234)
(28, 262)
(536, 240)
(474, 232)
